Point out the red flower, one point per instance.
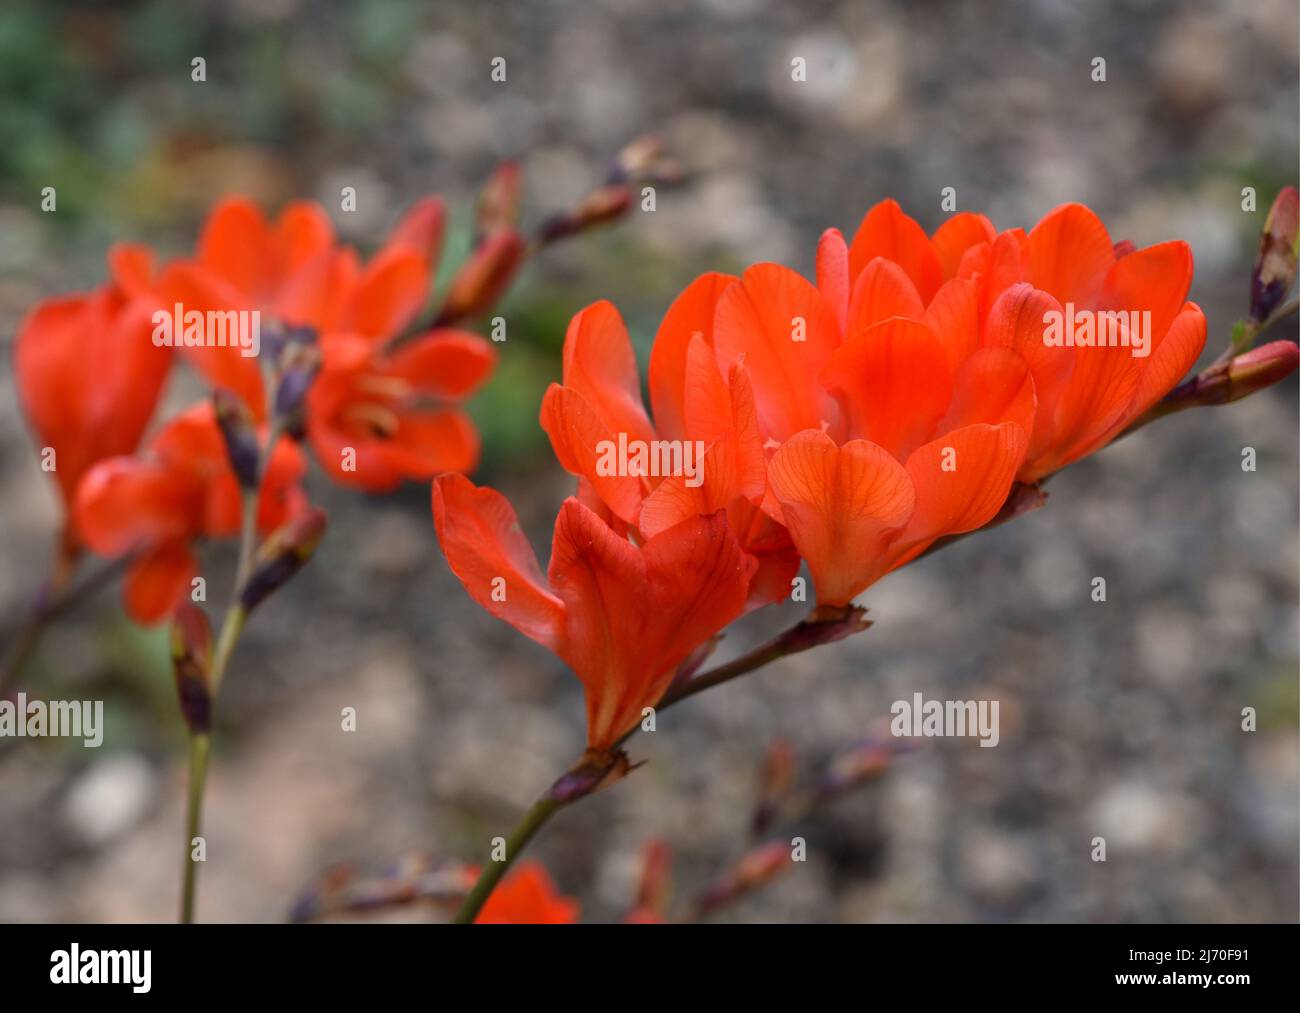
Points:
(1068, 268)
(378, 413)
(623, 615)
(978, 289)
(88, 374)
(700, 405)
(527, 897)
(156, 505)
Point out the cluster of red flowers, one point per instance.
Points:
(377, 404)
(849, 423)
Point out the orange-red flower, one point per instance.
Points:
(878, 446)
(87, 372)
(528, 897)
(976, 288)
(1067, 268)
(378, 412)
(707, 418)
(759, 371)
(154, 506)
(904, 391)
(623, 615)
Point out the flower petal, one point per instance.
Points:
(691, 313)
(882, 290)
(159, 581)
(958, 234)
(954, 317)
(600, 365)
(585, 447)
(894, 381)
(833, 278)
(784, 331)
(961, 481)
(842, 506)
(486, 549)
(887, 232)
(446, 363)
(1155, 280)
(1172, 358)
(1069, 254)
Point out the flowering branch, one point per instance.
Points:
(1222, 382)
(199, 668)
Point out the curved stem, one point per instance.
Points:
(823, 626)
(1253, 331)
(536, 817)
(201, 743)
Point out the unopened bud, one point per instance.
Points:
(1275, 268)
(421, 227)
(603, 204)
(775, 782)
(754, 869)
(644, 161)
(498, 201)
(191, 650)
(637, 158)
(239, 430)
(483, 278)
(298, 361)
(863, 763)
(656, 878)
(282, 555)
(1259, 368)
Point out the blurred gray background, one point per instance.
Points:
(1119, 719)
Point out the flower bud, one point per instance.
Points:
(191, 650)
(421, 227)
(239, 430)
(638, 157)
(483, 277)
(754, 869)
(775, 782)
(655, 886)
(863, 763)
(1259, 368)
(1275, 268)
(643, 160)
(296, 367)
(282, 555)
(603, 204)
(498, 201)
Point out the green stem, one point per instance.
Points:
(200, 745)
(200, 749)
(822, 626)
(536, 817)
